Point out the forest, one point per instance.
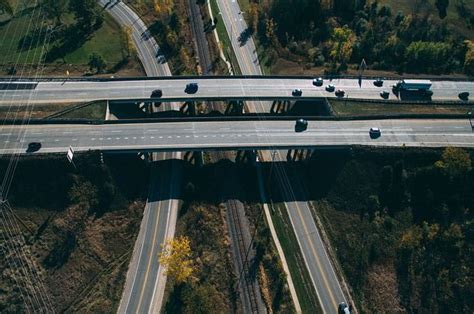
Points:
(338, 34)
(401, 223)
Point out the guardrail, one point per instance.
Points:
(248, 117)
(190, 77)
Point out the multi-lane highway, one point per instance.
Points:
(312, 249)
(145, 280)
(212, 88)
(187, 136)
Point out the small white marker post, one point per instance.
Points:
(70, 155)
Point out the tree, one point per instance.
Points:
(429, 56)
(86, 16)
(176, 259)
(455, 161)
(127, 40)
(54, 9)
(343, 39)
(442, 6)
(469, 57)
(96, 61)
(253, 16)
(6, 7)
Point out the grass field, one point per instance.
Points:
(94, 111)
(342, 108)
(28, 20)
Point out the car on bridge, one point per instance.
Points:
(301, 125)
(157, 93)
(330, 88)
(464, 96)
(384, 94)
(318, 81)
(378, 82)
(340, 93)
(33, 147)
(191, 88)
(375, 132)
(297, 92)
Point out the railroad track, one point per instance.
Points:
(242, 252)
(249, 286)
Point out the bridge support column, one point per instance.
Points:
(234, 108)
(194, 157)
(246, 156)
(188, 108)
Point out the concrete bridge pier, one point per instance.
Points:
(299, 154)
(188, 108)
(246, 156)
(280, 106)
(194, 157)
(234, 108)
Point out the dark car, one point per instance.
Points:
(378, 83)
(297, 92)
(375, 132)
(330, 88)
(191, 88)
(318, 81)
(340, 93)
(343, 308)
(157, 93)
(464, 96)
(33, 147)
(384, 94)
(301, 125)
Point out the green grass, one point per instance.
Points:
(105, 41)
(95, 111)
(244, 5)
(304, 288)
(224, 38)
(343, 108)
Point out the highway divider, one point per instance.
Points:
(247, 117)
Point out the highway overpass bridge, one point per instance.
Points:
(234, 135)
(210, 88)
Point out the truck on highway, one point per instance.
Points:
(413, 85)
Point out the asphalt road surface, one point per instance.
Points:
(145, 281)
(147, 48)
(173, 88)
(186, 136)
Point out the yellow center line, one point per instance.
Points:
(150, 258)
(316, 257)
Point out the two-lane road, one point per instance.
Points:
(145, 281)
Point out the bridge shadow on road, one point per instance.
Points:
(288, 180)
